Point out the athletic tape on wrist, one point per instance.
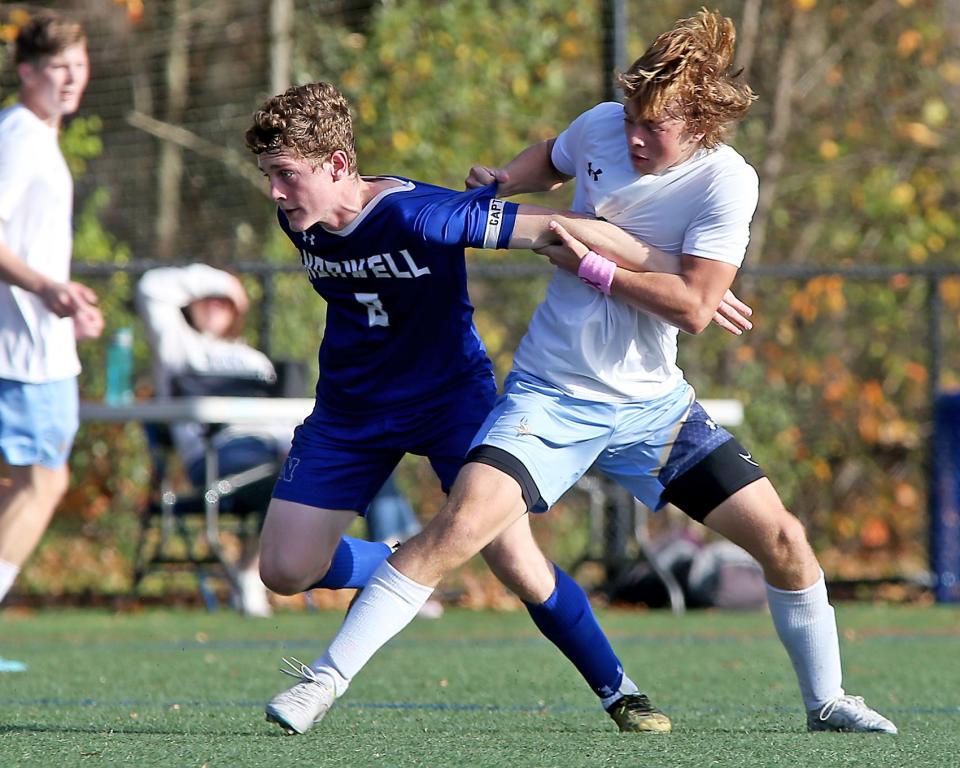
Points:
(596, 271)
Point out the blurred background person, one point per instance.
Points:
(42, 312)
(194, 316)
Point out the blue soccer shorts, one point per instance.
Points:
(663, 450)
(38, 422)
(340, 460)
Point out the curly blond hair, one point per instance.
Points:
(312, 121)
(685, 73)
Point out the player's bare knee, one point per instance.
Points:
(285, 578)
(457, 541)
(274, 579)
(787, 546)
(447, 542)
(793, 536)
(281, 585)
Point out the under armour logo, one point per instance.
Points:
(308, 239)
(748, 458)
(289, 466)
(523, 428)
(711, 424)
(594, 173)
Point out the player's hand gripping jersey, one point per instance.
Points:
(399, 320)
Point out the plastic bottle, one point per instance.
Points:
(119, 388)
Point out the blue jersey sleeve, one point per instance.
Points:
(474, 218)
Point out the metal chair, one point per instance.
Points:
(184, 528)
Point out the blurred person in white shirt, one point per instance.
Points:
(194, 316)
(42, 312)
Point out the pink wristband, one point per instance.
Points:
(596, 271)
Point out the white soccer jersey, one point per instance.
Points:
(36, 216)
(179, 348)
(596, 347)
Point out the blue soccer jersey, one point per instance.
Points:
(399, 320)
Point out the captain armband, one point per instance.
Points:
(495, 223)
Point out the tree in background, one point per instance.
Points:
(847, 138)
(850, 137)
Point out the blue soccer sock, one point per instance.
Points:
(353, 563)
(567, 620)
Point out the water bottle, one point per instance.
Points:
(120, 368)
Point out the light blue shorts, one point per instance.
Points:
(38, 422)
(641, 445)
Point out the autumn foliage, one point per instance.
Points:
(852, 270)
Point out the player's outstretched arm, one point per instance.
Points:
(614, 243)
(732, 314)
(690, 299)
(533, 229)
(530, 171)
(533, 171)
(540, 228)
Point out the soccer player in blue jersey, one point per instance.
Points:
(595, 380)
(403, 370)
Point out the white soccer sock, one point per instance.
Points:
(387, 604)
(627, 686)
(8, 575)
(807, 627)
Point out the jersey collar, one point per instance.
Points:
(404, 186)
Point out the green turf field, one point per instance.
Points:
(472, 689)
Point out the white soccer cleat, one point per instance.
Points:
(301, 706)
(849, 714)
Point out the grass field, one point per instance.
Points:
(171, 688)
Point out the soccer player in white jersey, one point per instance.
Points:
(403, 370)
(42, 312)
(595, 380)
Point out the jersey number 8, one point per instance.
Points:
(376, 314)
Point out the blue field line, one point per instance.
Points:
(399, 642)
(510, 709)
(470, 642)
(142, 704)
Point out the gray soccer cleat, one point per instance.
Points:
(633, 713)
(849, 714)
(301, 706)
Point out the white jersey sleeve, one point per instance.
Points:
(721, 229)
(563, 155)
